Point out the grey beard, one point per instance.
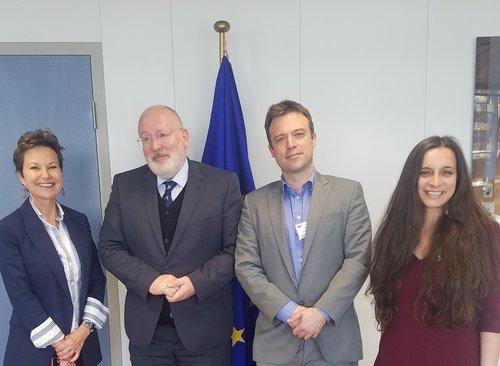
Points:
(167, 169)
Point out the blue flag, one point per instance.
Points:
(226, 148)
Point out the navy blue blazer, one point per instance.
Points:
(35, 282)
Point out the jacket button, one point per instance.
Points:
(301, 303)
(165, 241)
(165, 269)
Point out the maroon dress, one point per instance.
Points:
(412, 342)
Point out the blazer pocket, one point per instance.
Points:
(331, 218)
(207, 221)
(225, 291)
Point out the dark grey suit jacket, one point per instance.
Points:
(336, 252)
(131, 248)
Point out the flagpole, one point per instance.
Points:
(222, 27)
(226, 137)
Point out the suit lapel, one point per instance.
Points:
(193, 189)
(149, 195)
(319, 197)
(275, 209)
(74, 231)
(41, 240)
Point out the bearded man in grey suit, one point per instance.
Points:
(302, 251)
(169, 235)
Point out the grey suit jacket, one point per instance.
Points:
(131, 247)
(336, 252)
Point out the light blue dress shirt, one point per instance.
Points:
(295, 211)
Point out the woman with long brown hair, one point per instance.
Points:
(434, 274)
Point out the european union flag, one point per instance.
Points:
(226, 148)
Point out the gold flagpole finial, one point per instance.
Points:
(222, 27)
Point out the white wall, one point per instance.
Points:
(376, 76)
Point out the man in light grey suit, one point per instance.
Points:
(302, 252)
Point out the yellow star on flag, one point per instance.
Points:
(237, 336)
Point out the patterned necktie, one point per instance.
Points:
(167, 196)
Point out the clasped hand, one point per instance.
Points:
(306, 323)
(68, 349)
(174, 289)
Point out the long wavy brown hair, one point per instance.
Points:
(458, 270)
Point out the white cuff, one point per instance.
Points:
(96, 312)
(46, 333)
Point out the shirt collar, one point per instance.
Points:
(181, 177)
(307, 185)
(59, 216)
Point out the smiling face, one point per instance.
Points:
(438, 178)
(166, 151)
(292, 144)
(41, 174)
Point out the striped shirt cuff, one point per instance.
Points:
(96, 312)
(46, 333)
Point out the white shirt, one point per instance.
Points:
(68, 256)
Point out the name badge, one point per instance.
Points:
(300, 228)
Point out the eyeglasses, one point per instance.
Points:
(161, 137)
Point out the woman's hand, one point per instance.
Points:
(69, 348)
